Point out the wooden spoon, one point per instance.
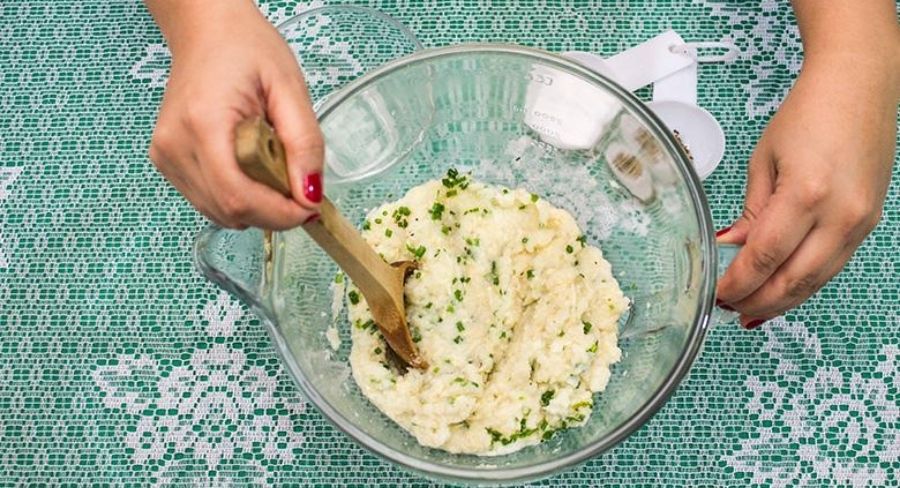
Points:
(261, 156)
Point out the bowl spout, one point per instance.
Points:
(234, 260)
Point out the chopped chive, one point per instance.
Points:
(534, 197)
(570, 249)
(418, 252)
(524, 240)
(436, 211)
(400, 215)
(458, 294)
(473, 241)
(530, 274)
(587, 326)
(377, 350)
(522, 207)
(339, 278)
(546, 397)
(369, 324)
(593, 348)
(428, 305)
(446, 229)
(378, 220)
(366, 225)
(460, 327)
(457, 339)
(583, 240)
(353, 296)
(416, 335)
(451, 308)
(388, 232)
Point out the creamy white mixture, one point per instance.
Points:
(514, 312)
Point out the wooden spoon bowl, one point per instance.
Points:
(261, 156)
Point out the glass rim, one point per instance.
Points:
(375, 13)
(697, 331)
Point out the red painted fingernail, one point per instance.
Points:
(723, 305)
(312, 218)
(720, 233)
(312, 187)
(754, 324)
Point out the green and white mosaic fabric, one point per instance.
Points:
(120, 364)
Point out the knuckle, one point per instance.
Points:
(750, 212)
(799, 288)
(234, 208)
(196, 116)
(869, 217)
(161, 142)
(763, 261)
(858, 215)
(812, 193)
(872, 219)
(307, 142)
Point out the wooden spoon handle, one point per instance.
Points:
(261, 156)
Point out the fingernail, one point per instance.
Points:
(723, 305)
(754, 324)
(312, 218)
(721, 232)
(312, 187)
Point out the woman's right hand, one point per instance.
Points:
(229, 63)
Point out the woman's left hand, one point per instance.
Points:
(817, 181)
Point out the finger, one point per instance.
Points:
(289, 109)
(239, 200)
(180, 177)
(760, 185)
(773, 237)
(819, 257)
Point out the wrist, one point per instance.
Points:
(872, 69)
(185, 24)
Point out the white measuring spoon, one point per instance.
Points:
(671, 65)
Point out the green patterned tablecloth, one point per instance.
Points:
(119, 362)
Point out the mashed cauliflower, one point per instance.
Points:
(515, 313)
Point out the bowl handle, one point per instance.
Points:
(726, 254)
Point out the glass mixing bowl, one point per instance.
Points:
(521, 118)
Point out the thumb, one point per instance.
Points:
(289, 109)
(760, 186)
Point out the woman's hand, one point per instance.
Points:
(229, 63)
(816, 185)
